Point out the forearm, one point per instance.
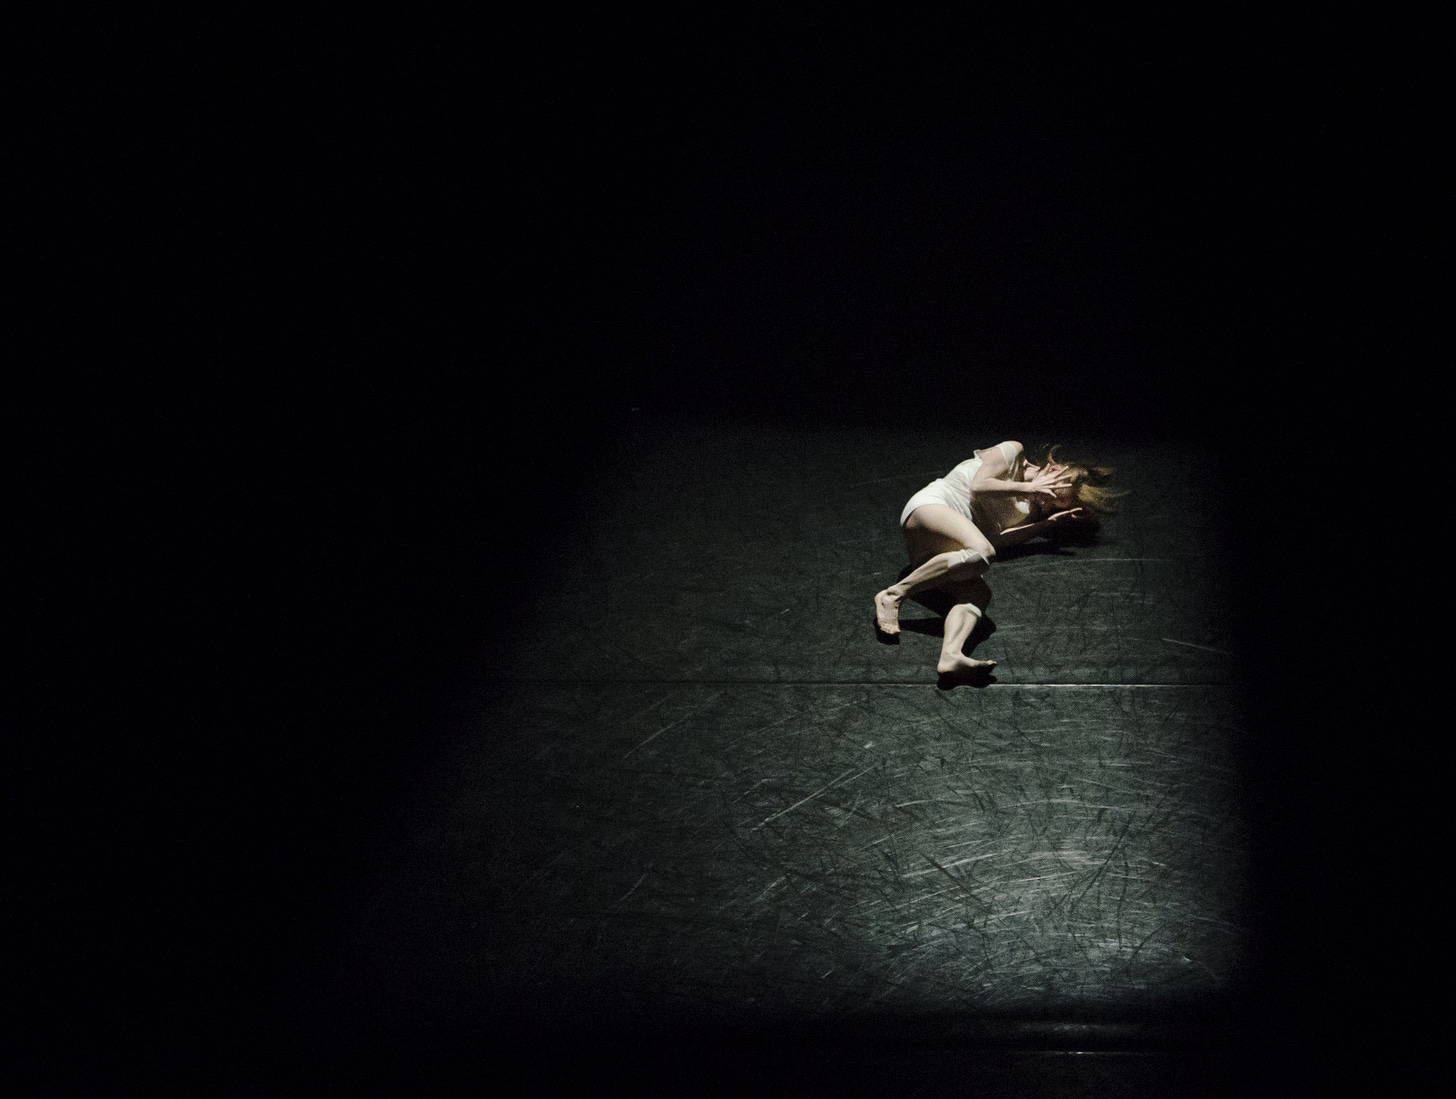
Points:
(1014, 536)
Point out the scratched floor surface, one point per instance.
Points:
(696, 789)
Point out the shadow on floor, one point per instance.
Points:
(939, 604)
(979, 678)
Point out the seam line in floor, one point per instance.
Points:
(813, 683)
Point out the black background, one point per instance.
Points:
(323, 306)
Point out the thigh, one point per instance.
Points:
(936, 528)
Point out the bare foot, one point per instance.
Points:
(887, 613)
(962, 664)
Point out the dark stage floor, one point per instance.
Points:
(692, 801)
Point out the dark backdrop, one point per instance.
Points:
(336, 301)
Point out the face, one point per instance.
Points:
(1065, 498)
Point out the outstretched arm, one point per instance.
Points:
(1014, 536)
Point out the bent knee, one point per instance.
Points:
(973, 556)
(976, 608)
(983, 549)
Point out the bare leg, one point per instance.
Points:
(943, 568)
(935, 535)
(959, 623)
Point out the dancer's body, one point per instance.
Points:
(955, 526)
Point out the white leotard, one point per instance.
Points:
(992, 512)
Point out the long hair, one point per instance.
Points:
(1089, 485)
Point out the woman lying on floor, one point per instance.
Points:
(955, 526)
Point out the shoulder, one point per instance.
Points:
(998, 460)
(1009, 453)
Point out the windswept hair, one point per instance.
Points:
(1089, 485)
